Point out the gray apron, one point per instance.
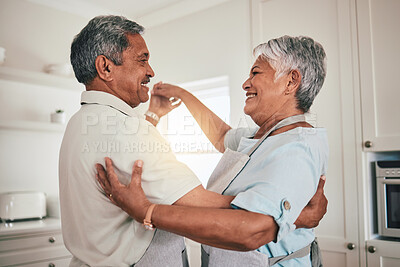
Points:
(230, 165)
(165, 250)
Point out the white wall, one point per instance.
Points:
(214, 42)
(33, 37)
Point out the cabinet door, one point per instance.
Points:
(328, 22)
(379, 38)
(383, 253)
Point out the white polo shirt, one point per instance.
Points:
(96, 231)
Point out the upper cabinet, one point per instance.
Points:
(378, 25)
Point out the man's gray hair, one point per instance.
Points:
(301, 53)
(103, 35)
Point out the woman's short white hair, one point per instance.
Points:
(301, 53)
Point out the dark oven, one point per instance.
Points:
(388, 196)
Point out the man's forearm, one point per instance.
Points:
(224, 228)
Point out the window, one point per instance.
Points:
(187, 140)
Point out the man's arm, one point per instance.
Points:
(224, 228)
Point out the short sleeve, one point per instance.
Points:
(164, 178)
(281, 186)
(233, 136)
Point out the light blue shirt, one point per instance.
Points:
(285, 168)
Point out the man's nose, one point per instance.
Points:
(150, 71)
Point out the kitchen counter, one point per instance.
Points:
(8, 229)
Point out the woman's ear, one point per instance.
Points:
(294, 80)
(104, 67)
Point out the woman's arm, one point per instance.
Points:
(213, 126)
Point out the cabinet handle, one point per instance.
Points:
(368, 144)
(351, 246)
(52, 265)
(52, 240)
(371, 249)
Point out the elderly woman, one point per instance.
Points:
(272, 169)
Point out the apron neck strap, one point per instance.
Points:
(285, 122)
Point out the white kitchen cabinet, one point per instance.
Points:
(383, 253)
(330, 22)
(379, 37)
(37, 243)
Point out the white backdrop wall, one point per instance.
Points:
(214, 42)
(33, 36)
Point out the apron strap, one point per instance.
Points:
(285, 122)
(297, 254)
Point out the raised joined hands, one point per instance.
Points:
(164, 99)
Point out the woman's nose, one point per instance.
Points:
(246, 84)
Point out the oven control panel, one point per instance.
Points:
(387, 169)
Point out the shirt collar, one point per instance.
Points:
(106, 99)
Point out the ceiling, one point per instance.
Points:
(149, 13)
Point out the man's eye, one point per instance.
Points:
(254, 73)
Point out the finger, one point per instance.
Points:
(159, 91)
(321, 183)
(102, 175)
(111, 175)
(137, 172)
(106, 190)
(157, 85)
(100, 182)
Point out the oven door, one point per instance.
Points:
(389, 206)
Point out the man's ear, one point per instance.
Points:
(294, 80)
(104, 67)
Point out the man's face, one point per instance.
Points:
(134, 73)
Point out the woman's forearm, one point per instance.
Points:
(227, 228)
(212, 125)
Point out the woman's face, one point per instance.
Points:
(265, 97)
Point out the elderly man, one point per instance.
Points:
(110, 57)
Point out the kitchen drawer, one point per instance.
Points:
(64, 262)
(31, 241)
(20, 257)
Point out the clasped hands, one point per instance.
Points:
(164, 98)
